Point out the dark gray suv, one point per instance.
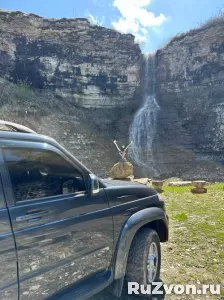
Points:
(64, 233)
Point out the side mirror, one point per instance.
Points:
(94, 184)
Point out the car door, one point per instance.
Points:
(62, 234)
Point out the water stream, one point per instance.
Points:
(143, 128)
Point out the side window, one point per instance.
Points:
(41, 173)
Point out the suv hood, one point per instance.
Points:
(110, 182)
(134, 194)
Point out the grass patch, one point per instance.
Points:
(222, 292)
(195, 249)
(181, 217)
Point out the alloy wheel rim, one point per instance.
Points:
(152, 262)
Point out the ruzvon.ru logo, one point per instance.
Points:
(158, 288)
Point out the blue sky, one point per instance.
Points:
(153, 22)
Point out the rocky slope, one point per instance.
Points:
(74, 127)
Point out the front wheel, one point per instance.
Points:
(144, 260)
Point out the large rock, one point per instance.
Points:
(121, 170)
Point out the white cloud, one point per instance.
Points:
(140, 38)
(136, 19)
(126, 26)
(94, 20)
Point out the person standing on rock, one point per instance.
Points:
(122, 152)
(123, 169)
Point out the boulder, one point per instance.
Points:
(121, 170)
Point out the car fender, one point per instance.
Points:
(131, 226)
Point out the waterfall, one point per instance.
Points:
(143, 128)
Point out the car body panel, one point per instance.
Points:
(127, 198)
(71, 241)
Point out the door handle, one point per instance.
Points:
(34, 216)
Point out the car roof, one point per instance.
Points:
(21, 136)
(10, 126)
(14, 131)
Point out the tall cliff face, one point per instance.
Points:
(90, 65)
(88, 75)
(188, 138)
(190, 91)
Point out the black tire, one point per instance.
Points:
(138, 257)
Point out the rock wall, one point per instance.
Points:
(91, 65)
(190, 92)
(187, 137)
